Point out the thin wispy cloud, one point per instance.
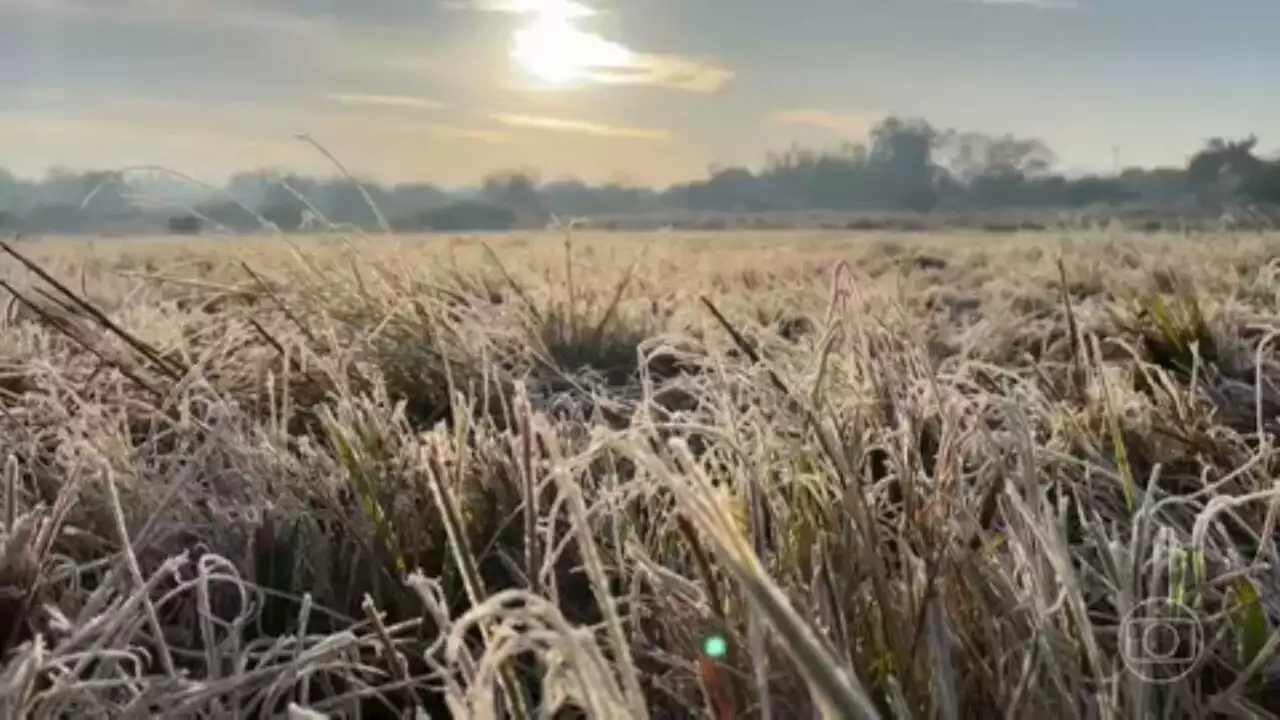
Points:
(373, 100)
(846, 124)
(368, 101)
(535, 122)
(674, 72)
(580, 127)
(464, 133)
(379, 111)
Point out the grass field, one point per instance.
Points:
(655, 475)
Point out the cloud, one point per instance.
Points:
(536, 122)
(231, 12)
(373, 100)
(551, 39)
(580, 127)
(555, 40)
(270, 38)
(462, 133)
(566, 9)
(378, 112)
(859, 125)
(365, 101)
(674, 72)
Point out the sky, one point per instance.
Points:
(636, 91)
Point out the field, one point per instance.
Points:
(640, 475)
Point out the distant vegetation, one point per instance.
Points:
(185, 225)
(907, 167)
(467, 215)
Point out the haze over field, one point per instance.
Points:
(612, 107)
(651, 93)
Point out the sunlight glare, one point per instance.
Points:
(552, 50)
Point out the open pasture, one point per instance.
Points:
(898, 476)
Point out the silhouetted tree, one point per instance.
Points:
(902, 157)
(1221, 171)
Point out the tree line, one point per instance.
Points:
(906, 165)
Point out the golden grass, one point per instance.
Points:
(906, 476)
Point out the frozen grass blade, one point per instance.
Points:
(903, 480)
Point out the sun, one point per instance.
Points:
(553, 51)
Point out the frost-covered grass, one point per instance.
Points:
(913, 476)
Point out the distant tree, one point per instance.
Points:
(55, 218)
(62, 186)
(104, 193)
(286, 215)
(8, 220)
(230, 215)
(902, 156)
(837, 180)
(574, 197)
(1156, 185)
(970, 155)
(517, 191)
(1222, 171)
(1264, 184)
(342, 202)
(998, 170)
(285, 199)
(733, 189)
(186, 224)
(1220, 157)
(904, 164)
(251, 187)
(408, 198)
(13, 192)
(1097, 190)
(464, 216)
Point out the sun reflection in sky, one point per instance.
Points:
(552, 49)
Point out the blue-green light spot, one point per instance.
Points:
(715, 647)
